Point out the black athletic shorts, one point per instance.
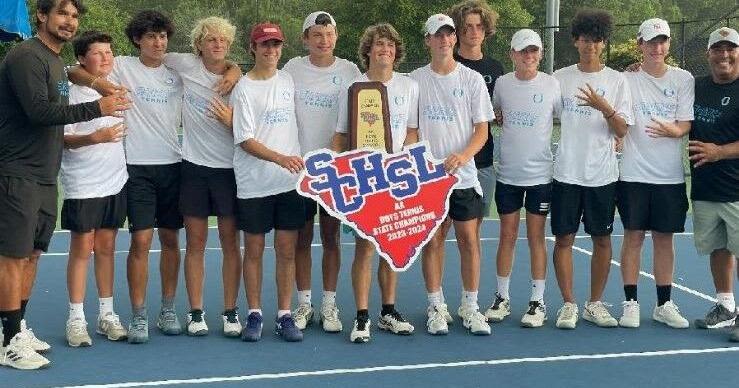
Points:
(207, 191)
(647, 206)
(88, 214)
(284, 211)
(465, 205)
(312, 208)
(153, 193)
(595, 206)
(27, 216)
(510, 198)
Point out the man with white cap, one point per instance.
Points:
(714, 155)
(454, 111)
(319, 77)
(651, 192)
(527, 101)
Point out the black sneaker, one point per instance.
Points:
(718, 316)
(196, 325)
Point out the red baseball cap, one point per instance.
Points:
(266, 31)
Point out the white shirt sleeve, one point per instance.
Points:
(482, 107)
(342, 120)
(413, 107)
(557, 101)
(622, 100)
(685, 100)
(180, 62)
(244, 125)
(496, 95)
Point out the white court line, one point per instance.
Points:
(649, 275)
(410, 367)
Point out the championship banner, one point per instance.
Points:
(396, 201)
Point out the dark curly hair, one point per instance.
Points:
(593, 23)
(148, 21)
(83, 42)
(45, 6)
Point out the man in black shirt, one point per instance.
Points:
(34, 107)
(714, 155)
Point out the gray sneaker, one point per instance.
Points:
(168, 322)
(718, 316)
(734, 334)
(138, 330)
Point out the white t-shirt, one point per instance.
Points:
(586, 155)
(528, 108)
(264, 110)
(153, 120)
(448, 108)
(317, 98)
(205, 141)
(669, 99)
(402, 100)
(97, 170)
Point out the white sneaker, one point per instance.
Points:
(444, 311)
(567, 316)
(330, 318)
(631, 316)
(436, 324)
(596, 312)
(35, 343)
(669, 314)
(77, 333)
(20, 355)
(395, 323)
(231, 324)
(111, 327)
(535, 316)
(473, 320)
(360, 331)
(303, 315)
(500, 309)
(196, 325)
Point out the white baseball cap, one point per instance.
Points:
(435, 22)
(310, 20)
(652, 28)
(525, 38)
(723, 34)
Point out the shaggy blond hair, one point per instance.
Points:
(382, 30)
(211, 26)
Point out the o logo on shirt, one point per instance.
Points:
(286, 95)
(538, 98)
(725, 101)
(336, 80)
(669, 92)
(457, 92)
(600, 92)
(169, 81)
(488, 78)
(399, 100)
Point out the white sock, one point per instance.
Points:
(537, 290)
(503, 283)
(76, 311)
(255, 311)
(281, 313)
(441, 293)
(105, 306)
(329, 298)
(434, 298)
(469, 299)
(304, 296)
(727, 300)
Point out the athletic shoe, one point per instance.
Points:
(330, 318)
(111, 327)
(718, 316)
(168, 323)
(535, 316)
(36, 344)
(361, 331)
(500, 309)
(473, 320)
(395, 323)
(77, 333)
(734, 333)
(231, 323)
(669, 314)
(436, 324)
(567, 316)
(20, 355)
(303, 315)
(444, 311)
(196, 325)
(285, 328)
(138, 330)
(253, 330)
(596, 312)
(631, 315)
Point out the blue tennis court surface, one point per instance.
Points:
(512, 356)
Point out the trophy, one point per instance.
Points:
(369, 117)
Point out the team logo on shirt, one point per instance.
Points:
(488, 78)
(396, 201)
(399, 100)
(725, 101)
(169, 81)
(538, 98)
(286, 95)
(600, 92)
(669, 92)
(63, 88)
(457, 92)
(336, 80)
